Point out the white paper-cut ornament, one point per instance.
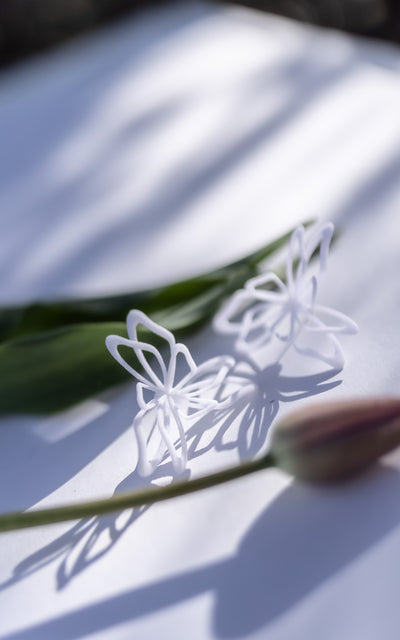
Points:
(167, 404)
(267, 308)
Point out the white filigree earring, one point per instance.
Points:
(167, 404)
(268, 309)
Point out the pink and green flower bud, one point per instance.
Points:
(333, 441)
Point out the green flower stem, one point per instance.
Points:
(150, 495)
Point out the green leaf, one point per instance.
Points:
(20, 321)
(56, 356)
(51, 371)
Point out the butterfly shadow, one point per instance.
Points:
(88, 540)
(244, 424)
(302, 540)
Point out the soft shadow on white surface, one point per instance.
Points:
(301, 541)
(32, 465)
(77, 549)
(244, 426)
(85, 543)
(90, 539)
(161, 159)
(109, 169)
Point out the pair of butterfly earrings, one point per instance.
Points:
(264, 312)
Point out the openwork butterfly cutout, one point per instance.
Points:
(268, 309)
(167, 403)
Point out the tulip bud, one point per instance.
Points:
(332, 441)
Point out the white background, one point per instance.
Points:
(156, 150)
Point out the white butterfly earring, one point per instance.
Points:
(166, 403)
(268, 309)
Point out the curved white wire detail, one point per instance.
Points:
(268, 308)
(167, 403)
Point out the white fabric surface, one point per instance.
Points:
(152, 151)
